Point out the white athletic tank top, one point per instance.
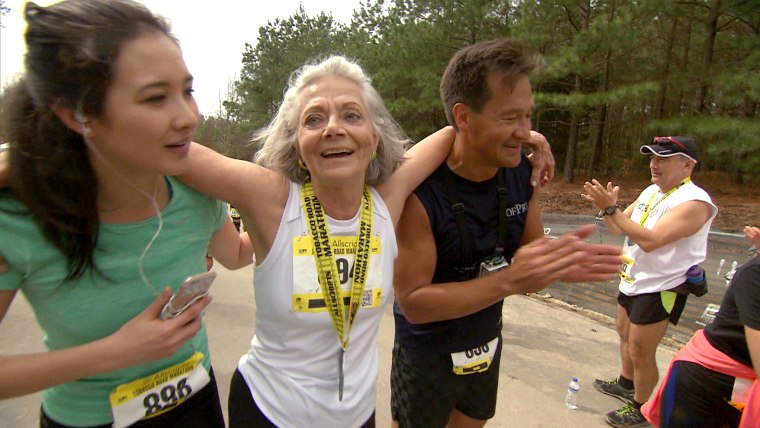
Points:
(292, 365)
(665, 267)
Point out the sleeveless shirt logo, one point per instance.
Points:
(517, 209)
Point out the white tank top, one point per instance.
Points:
(665, 267)
(292, 365)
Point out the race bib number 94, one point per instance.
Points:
(157, 393)
(307, 294)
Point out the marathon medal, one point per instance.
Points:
(329, 279)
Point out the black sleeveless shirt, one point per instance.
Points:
(740, 307)
(481, 210)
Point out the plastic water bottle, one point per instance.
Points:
(571, 399)
(730, 274)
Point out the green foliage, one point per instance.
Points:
(283, 46)
(617, 71)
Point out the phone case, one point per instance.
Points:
(192, 289)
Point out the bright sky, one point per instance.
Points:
(212, 36)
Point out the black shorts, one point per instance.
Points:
(695, 396)
(651, 308)
(201, 410)
(244, 412)
(425, 390)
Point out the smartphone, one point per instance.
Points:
(192, 289)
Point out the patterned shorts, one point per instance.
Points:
(425, 390)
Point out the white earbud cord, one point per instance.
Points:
(151, 198)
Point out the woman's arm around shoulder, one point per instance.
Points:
(422, 160)
(243, 184)
(259, 194)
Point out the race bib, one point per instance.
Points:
(625, 269)
(158, 393)
(474, 360)
(307, 294)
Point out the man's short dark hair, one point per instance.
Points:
(465, 78)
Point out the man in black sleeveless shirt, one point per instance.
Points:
(458, 245)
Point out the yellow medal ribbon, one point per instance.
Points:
(327, 268)
(648, 210)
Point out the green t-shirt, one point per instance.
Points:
(77, 312)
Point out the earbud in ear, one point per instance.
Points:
(82, 119)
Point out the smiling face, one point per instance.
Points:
(667, 172)
(498, 131)
(149, 113)
(335, 134)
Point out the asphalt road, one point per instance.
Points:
(545, 345)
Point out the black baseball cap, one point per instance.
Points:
(670, 146)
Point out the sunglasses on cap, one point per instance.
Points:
(664, 141)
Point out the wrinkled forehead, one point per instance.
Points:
(331, 89)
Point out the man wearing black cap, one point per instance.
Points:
(666, 233)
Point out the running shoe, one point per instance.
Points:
(613, 388)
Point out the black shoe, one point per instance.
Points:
(613, 388)
(627, 416)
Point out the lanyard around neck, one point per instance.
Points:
(648, 210)
(327, 269)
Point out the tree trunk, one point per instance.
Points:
(711, 30)
(662, 97)
(597, 142)
(682, 103)
(572, 142)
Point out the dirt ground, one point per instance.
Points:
(738, 205)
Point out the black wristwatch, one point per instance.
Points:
(610, 210)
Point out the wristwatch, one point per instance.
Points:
(610, 210)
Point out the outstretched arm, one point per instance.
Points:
(257, 193)
(533, 268)
(143, 339)
(232, 180)
(422, 160)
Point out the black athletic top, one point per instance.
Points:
(740, 307)
(481, 210)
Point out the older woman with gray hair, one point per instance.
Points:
(320, 205)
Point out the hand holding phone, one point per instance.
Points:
(192, 289)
